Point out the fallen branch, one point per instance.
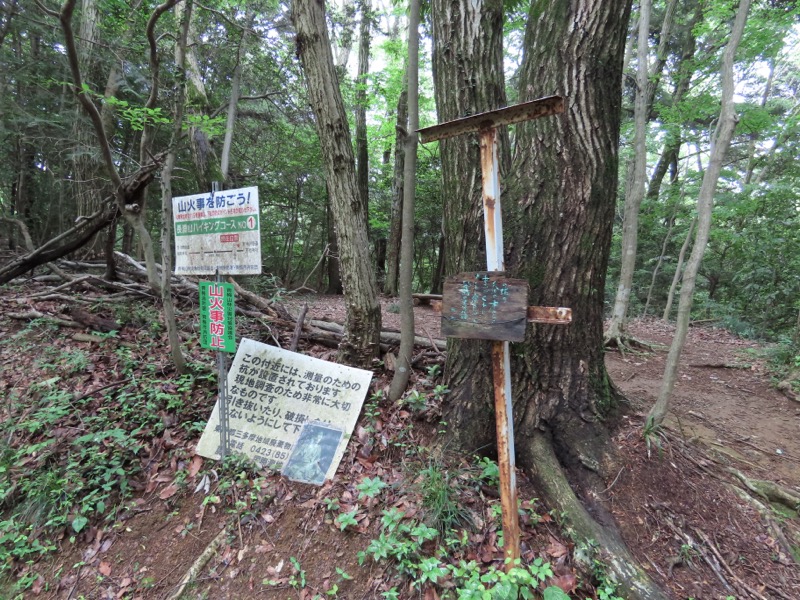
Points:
(35, 314)
(201, 562)
(387, 337)
(70, 283)
(741, 584)
(298, 328)
(710, 561)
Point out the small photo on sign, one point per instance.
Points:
(313, 453)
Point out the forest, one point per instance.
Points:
(659, 197)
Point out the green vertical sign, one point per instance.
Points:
(217, 328)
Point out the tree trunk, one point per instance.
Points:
(396, 215)
(166, 194)
(230, 119)
(559, 207)
(678, 271)
(468, 79)
(705, 202)
(635, 193)
(659, 262)
(332, 260)
(565, 191)
(404, 355)
(437, 280)
(206, 163)
(362, 151)
(363, 316)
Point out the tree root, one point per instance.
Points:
(621, 566)
(627, 343)
(774, 527)
(769, 490)
(199, 564)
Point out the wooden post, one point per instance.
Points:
(486, 125)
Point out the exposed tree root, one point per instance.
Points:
(627, 343)
(622, 567)
(774, 527)
(202, 560)
(769, 490)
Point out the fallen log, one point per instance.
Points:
(387, 337)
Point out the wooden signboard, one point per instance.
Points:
(485, 306)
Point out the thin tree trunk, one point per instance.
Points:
(362, 151)
(166, 195)
(204, 156)
(332, 261)
(437, 281)
(363, 315)
(719, 147)
(685, 71)
(396, 215)
(131, 193)
(751, 147)
(230, 120)
(403, 369)
(678, 271)
(635, 193)
(658, 265)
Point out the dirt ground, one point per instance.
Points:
(675, 501)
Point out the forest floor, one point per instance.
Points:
(150, 514)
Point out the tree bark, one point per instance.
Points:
(678, 271)
(166, 194)
(362, 150)
(635, 193)
(363, 316)
(403, 369)
(720, 142)
(396, 214)
(468, 79)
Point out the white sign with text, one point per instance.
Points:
(217, 231)
(272, 393)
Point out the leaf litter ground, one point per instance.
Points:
(115, 429)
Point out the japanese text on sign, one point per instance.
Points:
(272, 392)
(218, 231)
(484, 305)
(217, 326)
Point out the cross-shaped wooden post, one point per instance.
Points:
(486, 305)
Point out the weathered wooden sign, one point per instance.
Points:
(485, 305)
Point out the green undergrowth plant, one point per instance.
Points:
(70, 457)
(438, 488)
(429, 547)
